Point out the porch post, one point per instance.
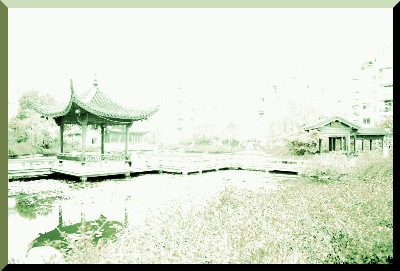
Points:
(320, 145)
(102, 139)
(334, 143)
(340, 141)
(344, 143)
(354, 144)
(362, 144)
(348, 144)
(61, 138)
(382, 143)
(370, 144)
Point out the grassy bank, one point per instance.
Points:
(346, 220)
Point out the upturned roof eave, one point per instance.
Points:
(43, 110)
(126, 117)
(53, 111)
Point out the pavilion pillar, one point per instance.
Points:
(334, 143)
(340, 142)
(102, 139)
(362, 144)
(354, 144)
(83, 151)
(127, 159)
(61, 138)
(370, 144)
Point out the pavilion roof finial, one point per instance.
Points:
(95, 83)
(71, 85)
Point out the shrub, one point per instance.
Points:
(20, 149)
(303, 143)
(371, 165)
(332, 165)
(336, 223)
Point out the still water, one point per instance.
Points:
(38, 208)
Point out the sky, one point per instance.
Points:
(141, 56)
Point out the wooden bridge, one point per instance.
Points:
(182, 163)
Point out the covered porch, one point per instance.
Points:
(343, 135)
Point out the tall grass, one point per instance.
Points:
(347, 221)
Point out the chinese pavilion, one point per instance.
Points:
(92, 108)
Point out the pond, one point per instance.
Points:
(38, 209)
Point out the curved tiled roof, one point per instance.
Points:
(323, 122)
(52, 110)
(97, 103)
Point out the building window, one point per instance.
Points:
(365, 105)
(388, 106)
(366, 120)
(261, 113)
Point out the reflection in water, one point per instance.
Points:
(33, 221)
(63, 236)
(46, 212)
(30, 206)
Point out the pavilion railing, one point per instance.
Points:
(92, 157)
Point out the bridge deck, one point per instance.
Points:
(182, 163)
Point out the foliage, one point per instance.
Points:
(334, 223)
(27, 126)
(386, 123)
(20, 149)
(294, 116)
(303, 142)
(332, 165)
(28, 96)
(371, 165)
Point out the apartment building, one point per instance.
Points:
(372, 89)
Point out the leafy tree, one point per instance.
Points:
(304, 142)
(386, 123)
(28, 126)
(24, 102)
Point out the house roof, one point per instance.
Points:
(372, 131)
(322, 122)
(97, 103)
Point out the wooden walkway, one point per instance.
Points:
(30, 167)
(182, 163)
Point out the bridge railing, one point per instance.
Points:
(31, 163)
(92, 157)
(188, 162)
